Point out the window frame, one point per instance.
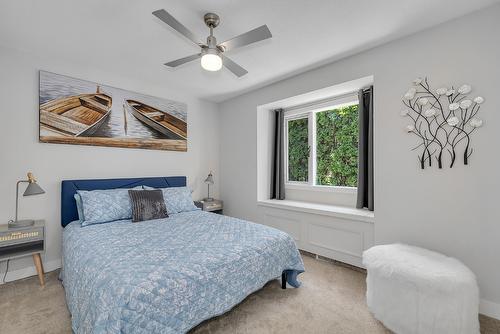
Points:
(309, 111)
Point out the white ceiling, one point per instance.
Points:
(122, 36)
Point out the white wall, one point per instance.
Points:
(453, 211)
(20, 150)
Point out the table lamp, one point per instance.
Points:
(32, 189)
(209, 180)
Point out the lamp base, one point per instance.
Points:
(208, 199)
(21, 223)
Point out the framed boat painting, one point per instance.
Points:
(74, 111)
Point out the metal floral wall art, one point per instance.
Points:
(443, 119)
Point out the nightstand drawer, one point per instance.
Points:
(14, 237)
(210, 206)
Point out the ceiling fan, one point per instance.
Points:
(212, 54)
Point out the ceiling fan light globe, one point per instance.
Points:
(211, 62)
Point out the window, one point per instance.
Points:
(321, 144)
(298, 150)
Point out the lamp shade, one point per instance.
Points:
(33, 189)
(210, 178)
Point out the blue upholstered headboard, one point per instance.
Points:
(69, 188)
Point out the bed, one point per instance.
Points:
(165, 275)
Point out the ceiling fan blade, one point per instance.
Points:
(184, 60)
(163, 15)
(252, 36)
(233, 67)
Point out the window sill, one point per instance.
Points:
(321, 209)
(329, 189)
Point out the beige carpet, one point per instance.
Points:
(331, 300)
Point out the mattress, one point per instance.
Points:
(168, 275)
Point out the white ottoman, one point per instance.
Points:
(413, 290)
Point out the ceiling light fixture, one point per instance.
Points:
(211, 61)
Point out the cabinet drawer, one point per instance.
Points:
(19, 237)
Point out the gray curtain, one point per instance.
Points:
(278, 171)
(365, 149)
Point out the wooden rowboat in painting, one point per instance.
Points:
(165, 123)
(75, 116)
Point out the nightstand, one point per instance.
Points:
(23, 241)
(214, 206)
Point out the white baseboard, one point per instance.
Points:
(31, 271)
(490, 309)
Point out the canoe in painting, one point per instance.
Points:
(163, 122)
(74, 116)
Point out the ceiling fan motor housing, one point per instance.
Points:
(206, 51)
(211, 42)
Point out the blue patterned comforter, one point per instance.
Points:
(168, 275)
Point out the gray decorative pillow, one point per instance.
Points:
(147, 205)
